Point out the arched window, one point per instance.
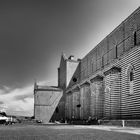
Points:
(130, 75)
(107, 90)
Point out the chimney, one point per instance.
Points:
(71, 57)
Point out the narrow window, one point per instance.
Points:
(57, 110)
(116, 50)
(102, 61)
(130, 74)
(135, 38)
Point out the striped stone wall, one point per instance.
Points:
(85, 101)
(110, 98)
(118, 42)
(112, 95)
(130, 104)
(97, 98)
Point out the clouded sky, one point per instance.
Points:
(33, 34)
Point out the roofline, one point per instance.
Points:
(72, 60)
(96, 46)
(43, 89)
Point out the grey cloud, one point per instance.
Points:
(1, 102)
(4, 89)
(23, 97)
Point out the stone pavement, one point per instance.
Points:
(131, 130)
(68, 132)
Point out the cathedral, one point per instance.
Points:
(105, 84)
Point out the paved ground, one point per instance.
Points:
(130, 130)
(67, 132)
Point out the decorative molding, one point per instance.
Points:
(97, 78)
(113, 69)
